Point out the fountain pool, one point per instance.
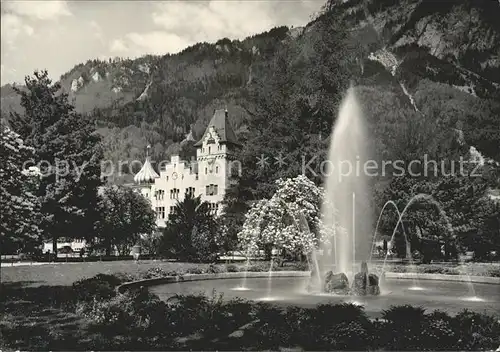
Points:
(448, 296)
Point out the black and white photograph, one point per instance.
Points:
(250, 175)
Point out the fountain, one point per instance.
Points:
(422, 196)
(243, 286)
(389, 202)
(331, 280)
(346, 190)
(269, 281)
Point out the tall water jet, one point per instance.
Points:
(269, 280)
(375, 233)
(302, 226)
(243, 286)
(345, 176)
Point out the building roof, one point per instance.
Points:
(220, 123)
(146, 173)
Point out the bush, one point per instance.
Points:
(134, 317)
(476, 331)
(494, 272)
(157, 272)
(352, 336)
(231, 268)
(299, 266)
(404, 328)
(194, 270)
(101, 286)
(302, 327)
(439, 333)
(256, 268)
(272, 331)
(474, 269)
(215, 269)
(198, 313)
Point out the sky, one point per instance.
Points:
(56, 35)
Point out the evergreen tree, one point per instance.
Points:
(68, 150)
(20, 207)
(296, 108)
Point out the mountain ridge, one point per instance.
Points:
(159, 99)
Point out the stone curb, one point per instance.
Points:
(199, 277)
(263, 274)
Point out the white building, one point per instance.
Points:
(208, 176)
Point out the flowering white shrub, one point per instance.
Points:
(290, 220)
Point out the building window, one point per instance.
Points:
(211, 190)
(213, 207)
(172, 209)
(190, 191)
(160, 212)
(206, 171)
(216, 169)
(174, 193)
(159, 194)
(208, 150)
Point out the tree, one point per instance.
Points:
(19, 204)
(125, 215)
(68, 152)
(296, 105)
(454, 211)
(190, 234)
(233, 217)
(150, 243)
(289, 221)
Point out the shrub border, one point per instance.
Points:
(445, 277)
(251, 274)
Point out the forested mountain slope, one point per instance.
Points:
(434, 62)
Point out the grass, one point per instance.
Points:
(67, 273)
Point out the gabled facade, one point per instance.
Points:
(208, 176)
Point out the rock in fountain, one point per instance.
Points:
(336, 283)
(365, 283)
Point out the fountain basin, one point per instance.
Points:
(251, 274)
(290, 289)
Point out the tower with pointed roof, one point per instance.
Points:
(207, 176)
(216, 157)
(146, 176)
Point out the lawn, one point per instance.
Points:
(64, 274)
